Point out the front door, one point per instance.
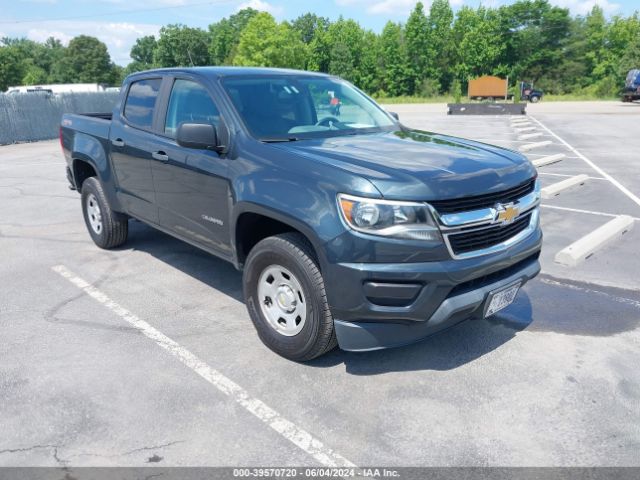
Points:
(192, 189)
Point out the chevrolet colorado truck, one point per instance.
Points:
(350, 228)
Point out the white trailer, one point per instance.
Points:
(58, 88)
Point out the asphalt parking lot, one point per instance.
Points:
(89, 374)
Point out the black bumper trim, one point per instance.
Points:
(366, 336)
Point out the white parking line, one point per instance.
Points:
(589, 212)
(287, 429)
(627, 301)
(618, 185)
(15, 165)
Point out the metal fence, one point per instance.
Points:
(28, 117)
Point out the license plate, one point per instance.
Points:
(501, 299)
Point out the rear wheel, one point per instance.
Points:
(108, 229)
(285, 295)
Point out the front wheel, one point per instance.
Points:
(285, 295)
(535, 99)
(108, 229)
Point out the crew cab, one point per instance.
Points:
(350, 228)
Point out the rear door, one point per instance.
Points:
(192, 187)
(132, 143)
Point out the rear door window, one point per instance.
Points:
(141, 101)
(189, 103)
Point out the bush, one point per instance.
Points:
(456, 90)
(429, 88)
(607, 87)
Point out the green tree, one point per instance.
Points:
(10, 67)
(319, 55)
(225, 36)
(439, 52)
(308, 24)
(630, 58)
(143, 50)
(477, 42)
(265, 43)
(368, 66)
(536, 35)
(85, 60)
(181, 46)
(328, 54)
(342, 62)
(417, 35)
(398, 76)
(34, 75)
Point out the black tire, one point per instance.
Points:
(114, 226)
(534, 99)
(293, 252)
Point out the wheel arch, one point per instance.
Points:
(254, 223)
(83, 168)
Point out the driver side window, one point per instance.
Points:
(189, 103)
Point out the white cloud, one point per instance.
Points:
(396, 7)
(118, 36)
(262, 6)
(402, 8)
(582, 7)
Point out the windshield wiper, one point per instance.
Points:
(279, 139)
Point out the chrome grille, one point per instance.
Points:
(477, 239)
(486, 200)
(481, 231)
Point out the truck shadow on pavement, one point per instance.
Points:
(190, 260)
(456, 346)
(447, 350)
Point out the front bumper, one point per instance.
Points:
(398, 304)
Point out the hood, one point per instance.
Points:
(417, 165)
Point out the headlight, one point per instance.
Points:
(389, 218)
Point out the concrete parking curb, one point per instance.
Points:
(549, 159)
(531, 146)
(582, 249)
(555, 189)
(528, 136)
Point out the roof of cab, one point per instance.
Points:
(228, 71)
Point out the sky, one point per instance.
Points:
(119, 22)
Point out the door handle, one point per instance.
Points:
(118, 142)
(161, 156)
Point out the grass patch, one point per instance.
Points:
(577, 97)
(410, 99)
(567, 97)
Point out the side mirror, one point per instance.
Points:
(395, 115)
(202, 136)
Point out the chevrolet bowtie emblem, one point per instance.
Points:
(507, 213)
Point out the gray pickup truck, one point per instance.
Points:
(350, 228)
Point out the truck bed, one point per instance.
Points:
(94, 124)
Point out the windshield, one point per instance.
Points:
(290, 108)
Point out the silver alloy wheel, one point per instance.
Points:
(94, 214)
(282, 300)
